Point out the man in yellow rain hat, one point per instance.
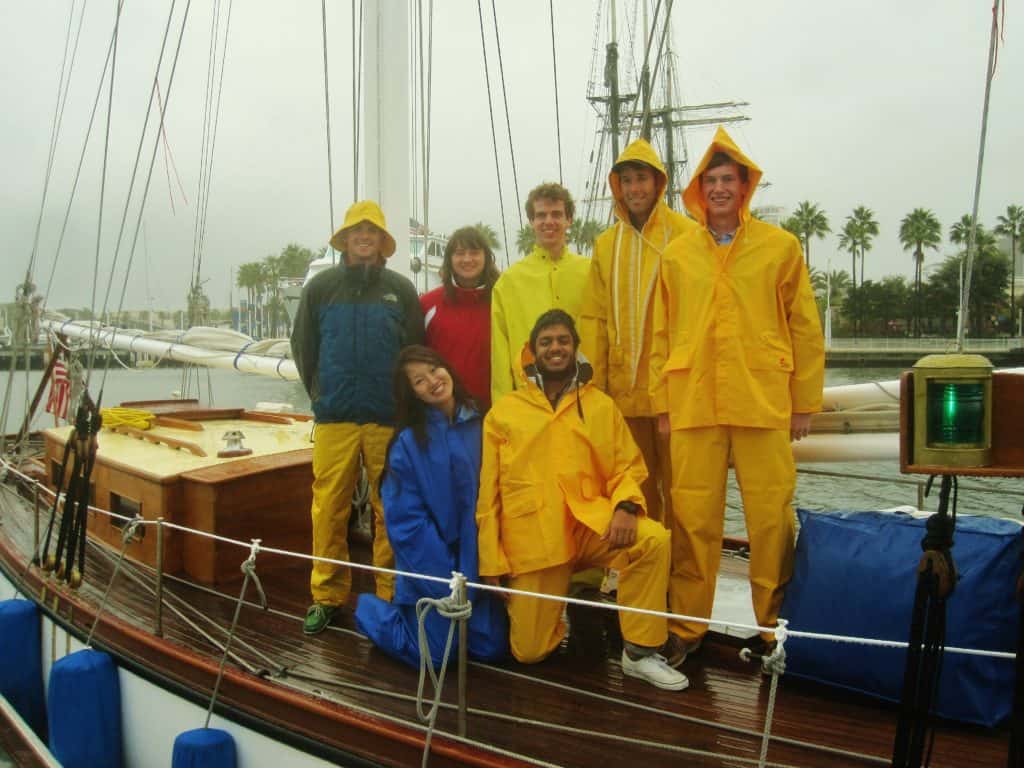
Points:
(737, 369)
(352, 321)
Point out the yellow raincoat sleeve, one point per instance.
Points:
(808, 381)
(660, 340)
(629, 471)
(501, 373)
(493, 561)
(594, 325)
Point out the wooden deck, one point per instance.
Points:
(336, 695)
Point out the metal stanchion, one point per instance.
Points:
(463, 645)
(35, 524)
(158, 630)
(920, 494)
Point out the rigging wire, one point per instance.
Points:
(357, 76)
(168, 154)
(642, 82)
(494, 135)
(425, 80)
(645, 123)
(327, 113)
(103, 189)
(152, 163)
(508, 121)
(213, 143)
(204, 141)
(554, 66)
(63, 88)
(135, 165)
(990, 72)
(81, 162)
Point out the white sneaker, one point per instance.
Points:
(655, 671)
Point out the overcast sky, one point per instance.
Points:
(860, 103)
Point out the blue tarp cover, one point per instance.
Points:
(855, 575)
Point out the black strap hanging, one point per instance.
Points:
(936, 580)
(70, 547)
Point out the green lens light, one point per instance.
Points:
(956, 413)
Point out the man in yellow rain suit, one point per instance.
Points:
(560, 490)
(737, 368)
(352, 321)
(548, 276)
(618, 306)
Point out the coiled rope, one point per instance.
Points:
(455, 607)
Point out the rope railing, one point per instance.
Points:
(446, 580)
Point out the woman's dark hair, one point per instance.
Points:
(410, 411)
(473, 239)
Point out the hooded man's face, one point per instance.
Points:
(639, 185)
(555, 352)
(363, 244)
(724, 191)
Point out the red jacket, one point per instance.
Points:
(460, 331)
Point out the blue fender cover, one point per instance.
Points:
(204, 748)
(855, 575)
(84, 706)
(21, 662)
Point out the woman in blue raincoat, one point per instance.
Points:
(429, 490)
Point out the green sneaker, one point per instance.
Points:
(318, 616)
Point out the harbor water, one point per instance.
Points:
(988, 496)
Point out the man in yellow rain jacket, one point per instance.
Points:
(560, 490)
(737, 368)
(352, 321)
(618, 305)
(548, 276)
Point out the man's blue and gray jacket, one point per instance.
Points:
(351, 324)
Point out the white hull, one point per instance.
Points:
(152, 717)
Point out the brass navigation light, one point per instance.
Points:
(952, 411)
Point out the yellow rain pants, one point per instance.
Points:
(336, 451)
(766, 474)
(536, 624)
(657, 457)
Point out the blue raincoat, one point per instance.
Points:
(429, 496)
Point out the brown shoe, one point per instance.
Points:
(676, 650)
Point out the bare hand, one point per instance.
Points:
(621, 532)
(495, 581)
(664, 425)
(799, 426)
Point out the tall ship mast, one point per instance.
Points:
(635, 90)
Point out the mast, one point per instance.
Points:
(386, 116)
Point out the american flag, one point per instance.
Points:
(60, 391)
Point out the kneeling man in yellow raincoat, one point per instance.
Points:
(737, 367)
(560, 491)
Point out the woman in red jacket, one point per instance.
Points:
(457, 314)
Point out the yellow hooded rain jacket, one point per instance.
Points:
(618, 304)
(737, 339)
(544, 470)
(524, 292)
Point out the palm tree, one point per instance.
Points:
(583, 233)
(488, 234)
(806, 222)
(526, 238)
(849, 240)
(1012, 226)
(868, 228)
(919, 229)
(249, 277)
